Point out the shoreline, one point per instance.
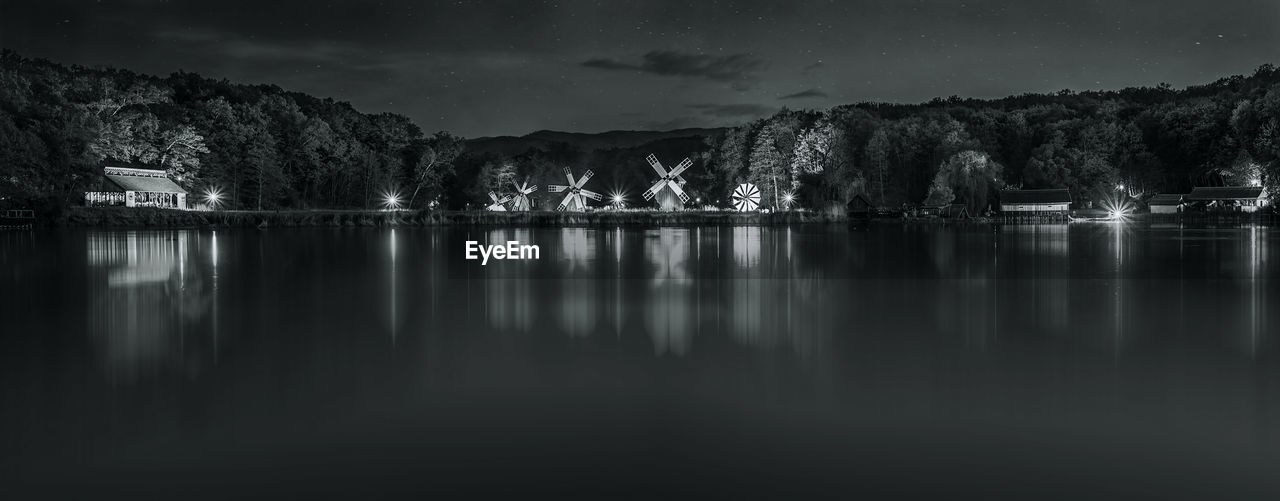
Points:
(119, 217)
(126, 218)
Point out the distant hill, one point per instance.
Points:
(546, 139)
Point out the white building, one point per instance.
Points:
(132, 187)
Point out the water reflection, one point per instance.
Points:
(669, 315)
(510, 297)
(578, 308)
(150, 308)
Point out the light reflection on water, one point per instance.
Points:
(1100, 330)
(159, 290)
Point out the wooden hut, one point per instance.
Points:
(1046, 204)
(858, 207)
(1166, 203)
(1227, 198)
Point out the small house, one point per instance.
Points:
(1035, 201)
(1228, 198)
(858, 206)
(134, 187)
(1166, 203)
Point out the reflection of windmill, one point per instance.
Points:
(674, 198)
(746, 197)
(521, 201)
(576, 199)
(499, 204)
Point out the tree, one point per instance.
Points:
(970, 175)
(770, 164)
(878, 151)
(438, 154)
(179, 152)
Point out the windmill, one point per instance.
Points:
(523, 190)
(576, 199)
(674, 198)
(499, 204)
(746, 197)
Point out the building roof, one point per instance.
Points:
(131, 179)
(1166, 199)
(1225, 193)
(1050, 196)
(858, 202)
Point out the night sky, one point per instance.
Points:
(513, 67)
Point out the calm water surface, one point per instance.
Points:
(1084, 362)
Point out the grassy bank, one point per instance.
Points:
(120, 217)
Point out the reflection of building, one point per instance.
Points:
(1228, 198)
(138, 188)
(149, 301)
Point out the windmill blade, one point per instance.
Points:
(505, 199)
(592, 195)
(556, 188)
(530, 189)
(653, 190)
(684, 197)
(653, 162)
(569, 175)
(585, 177)
(681, 168)
(565, 203)
(493, 197)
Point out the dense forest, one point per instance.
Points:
(268, 148)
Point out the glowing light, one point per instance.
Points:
(1120, 187)
(788, 198)
(1118, 208)
(618, 199)
(391, 200)
(213, 196)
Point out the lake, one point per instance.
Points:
(1080, 361)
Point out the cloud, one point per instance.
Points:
(805, 94)
(733, 110)
(812, 68)
(737, 69)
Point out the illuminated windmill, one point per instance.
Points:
(499, 204)
(576, 199)
(746, 197)
(674, 198)
(521, 200)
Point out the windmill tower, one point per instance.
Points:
(674, 197)
(499, 204)
(521, 200)
(576, 199)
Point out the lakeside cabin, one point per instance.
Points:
(134, 187)
(858, 207)
(1166, 203)
(1226, 198)
(1038, 205)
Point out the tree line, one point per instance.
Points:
(268, 148)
